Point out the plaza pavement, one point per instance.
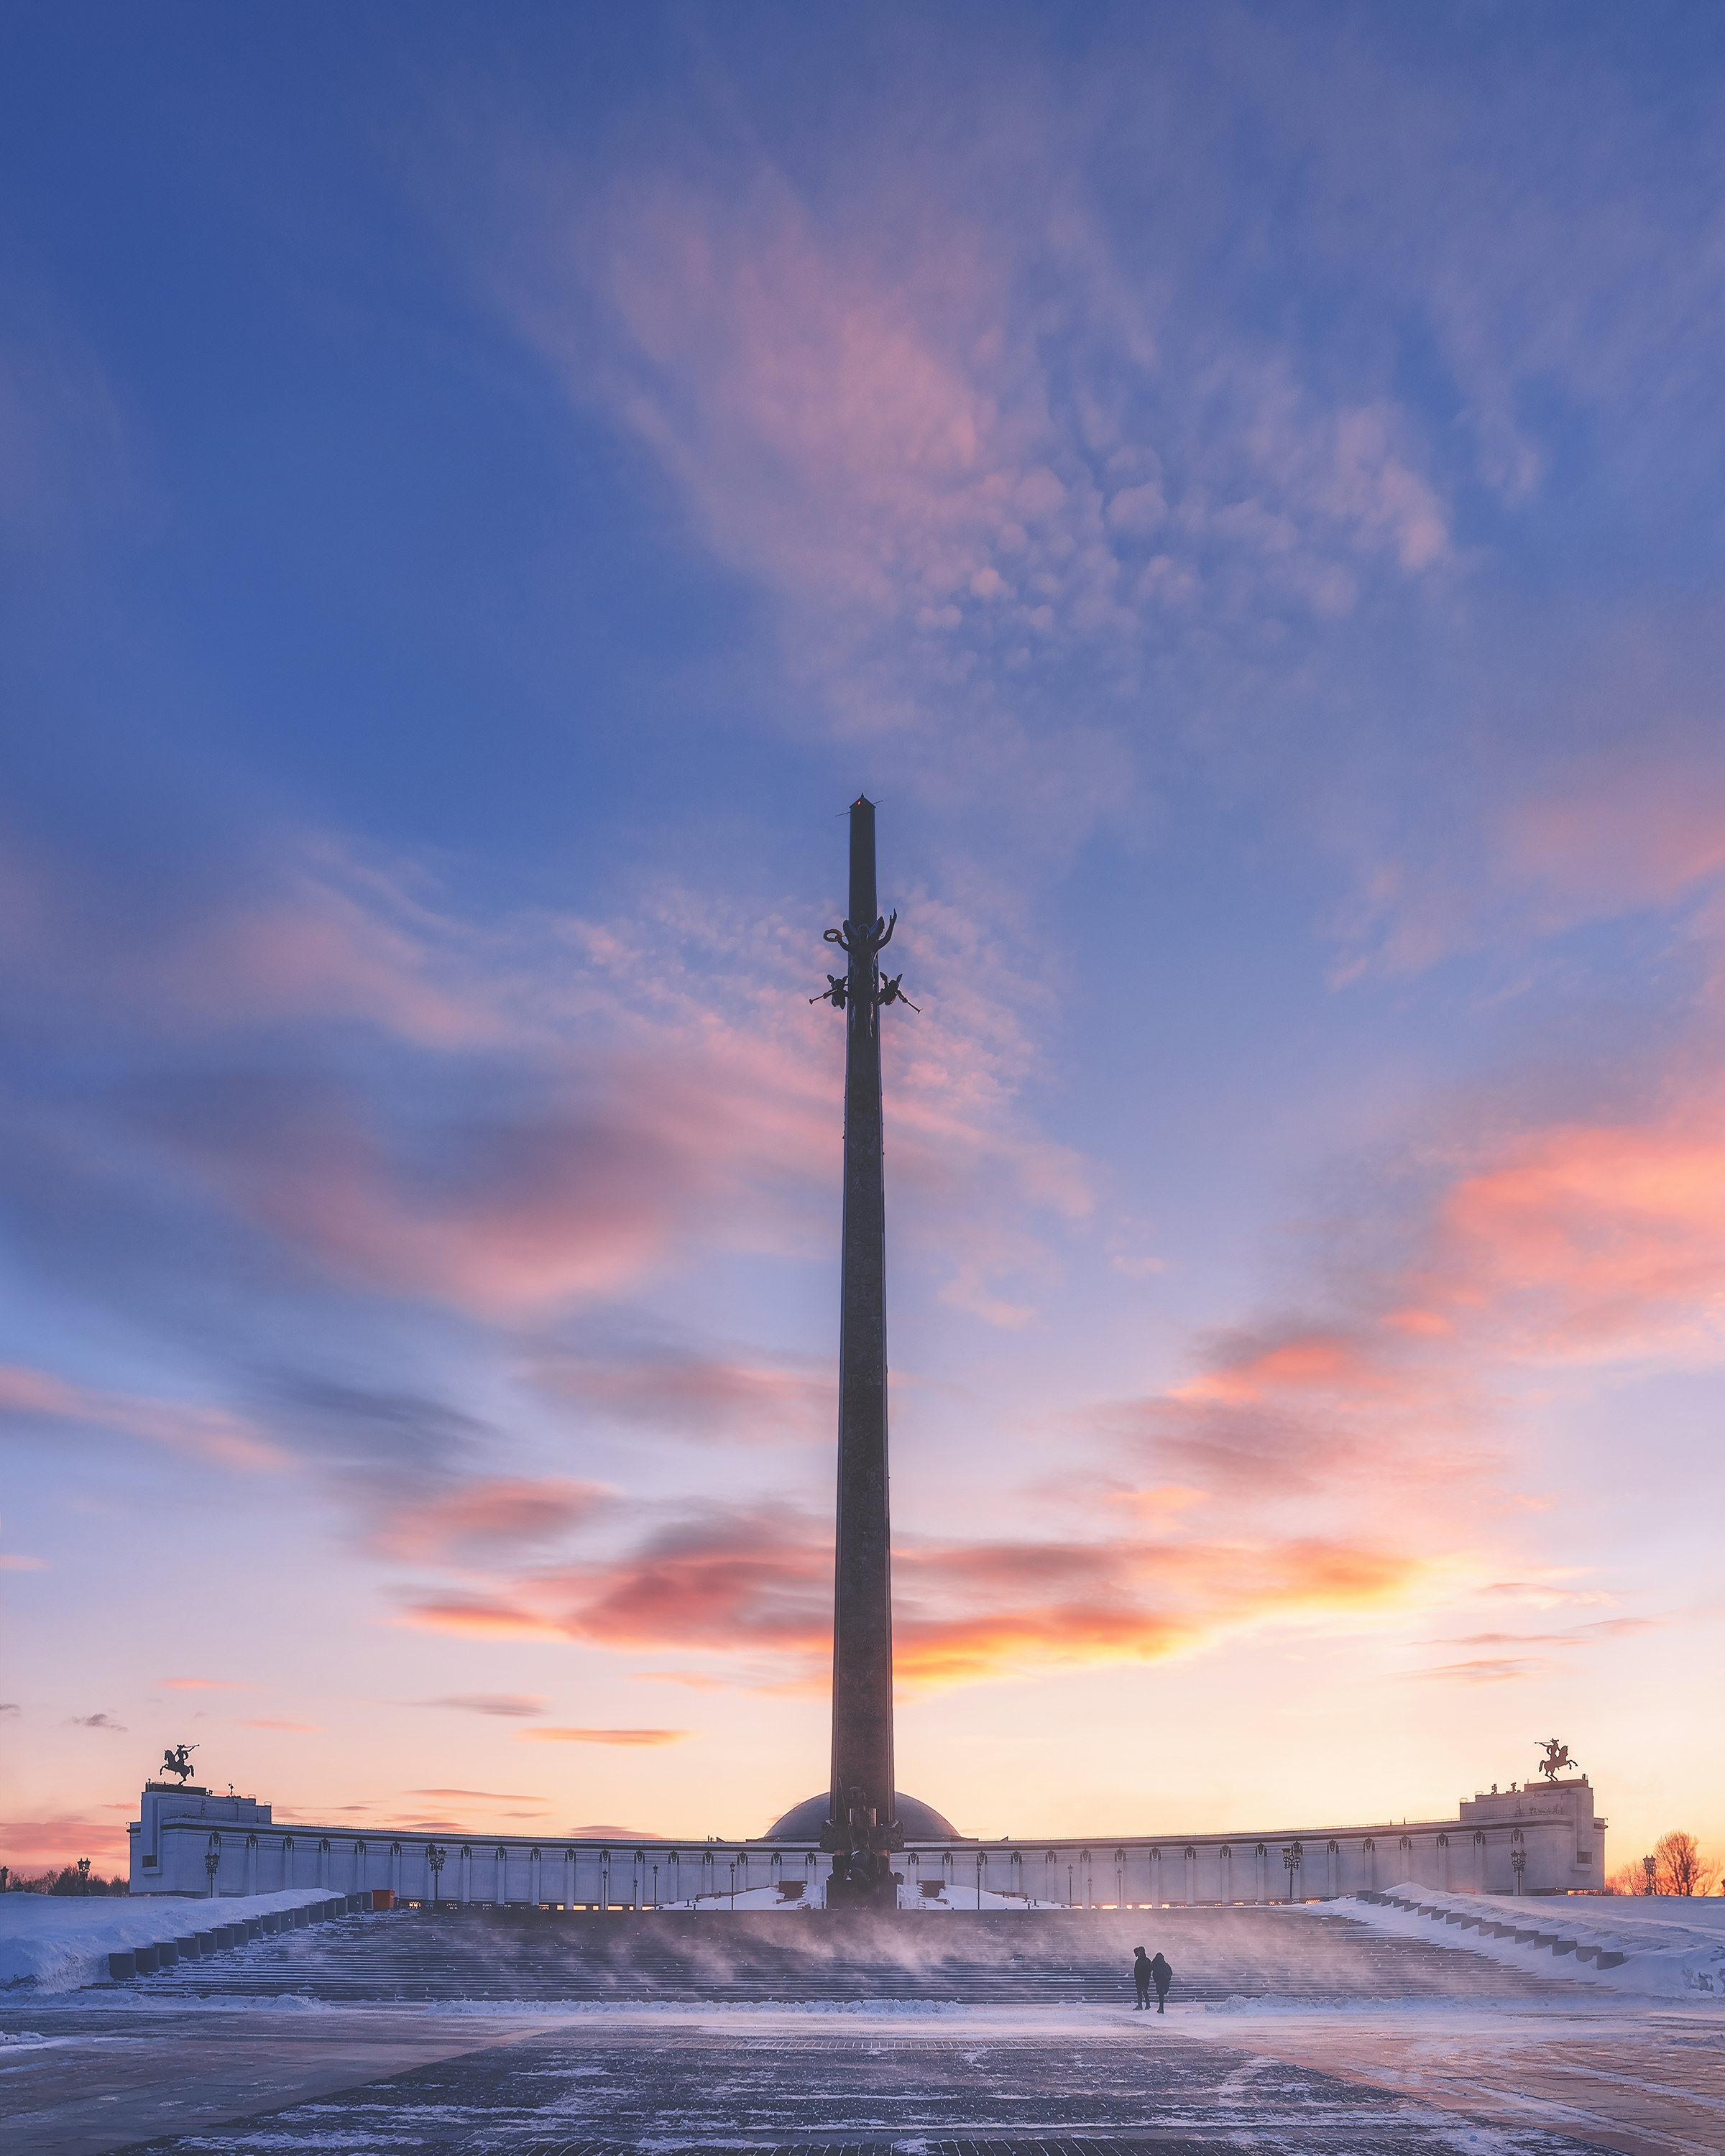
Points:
(1289, 2031)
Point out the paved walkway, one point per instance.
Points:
(1289, 2032)
(690, 2086)
(1641, 2080)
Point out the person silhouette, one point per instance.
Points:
(1163, 1976)
(1141, 1978)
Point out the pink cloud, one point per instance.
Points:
(477, 1521)
(1310, 1363)
(937, 478)
(655, 1089)
(580, 1196)
(1636, 828)
(701, 1396)
(200, 1432)
(323, 936)
(1591, 1240)
(490, 1796)
(1607, 799)
(668, 1093)
(511, 1705)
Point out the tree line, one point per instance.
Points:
(1677, 1865)
(70, 1879)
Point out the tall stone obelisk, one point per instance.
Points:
(862, 1827)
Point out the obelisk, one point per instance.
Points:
(862, 1828)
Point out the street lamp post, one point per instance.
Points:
(1649, 1864)
(1292, 1856)
(1518, 1864)
(434, 1858)
(211, 1861)
(83, 1874)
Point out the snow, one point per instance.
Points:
(1673, 1948)
(58, 1942)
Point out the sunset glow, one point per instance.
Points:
(473, 510)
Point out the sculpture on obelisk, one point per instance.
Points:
(862, 1828)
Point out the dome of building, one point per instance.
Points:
(921, 1822)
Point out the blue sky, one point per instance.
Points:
(477, 496)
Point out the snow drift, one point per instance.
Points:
(57, 1943)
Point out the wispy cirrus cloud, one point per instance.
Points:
(1602, 801)
(31, 1398)
(638, 1091)
(1487, 1669)
(704, 1398)
(625, 1737)
(511, 1705)
(489, 1796)
(322, 934)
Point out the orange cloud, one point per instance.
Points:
(62, 1838)
(478, 1617)
(757, 1586)
(604, 1736)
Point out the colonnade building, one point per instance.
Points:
(1543, 1840)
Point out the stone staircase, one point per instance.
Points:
(989, 1958)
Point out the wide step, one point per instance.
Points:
(983, 1959)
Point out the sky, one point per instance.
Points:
(481, 492)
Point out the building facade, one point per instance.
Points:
(1543, 1840)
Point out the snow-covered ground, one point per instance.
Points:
(1671, 1948)
(58, 1942)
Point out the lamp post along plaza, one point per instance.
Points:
(862, 1829)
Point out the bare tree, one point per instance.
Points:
(1628, 1879)
(1681, 1867)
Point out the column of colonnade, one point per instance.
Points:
(1532, 1855)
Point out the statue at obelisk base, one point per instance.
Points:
(862, 1829)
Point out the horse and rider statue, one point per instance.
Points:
(178, 1762)
(1556, 1759)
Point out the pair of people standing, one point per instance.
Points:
(1145, 1973)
